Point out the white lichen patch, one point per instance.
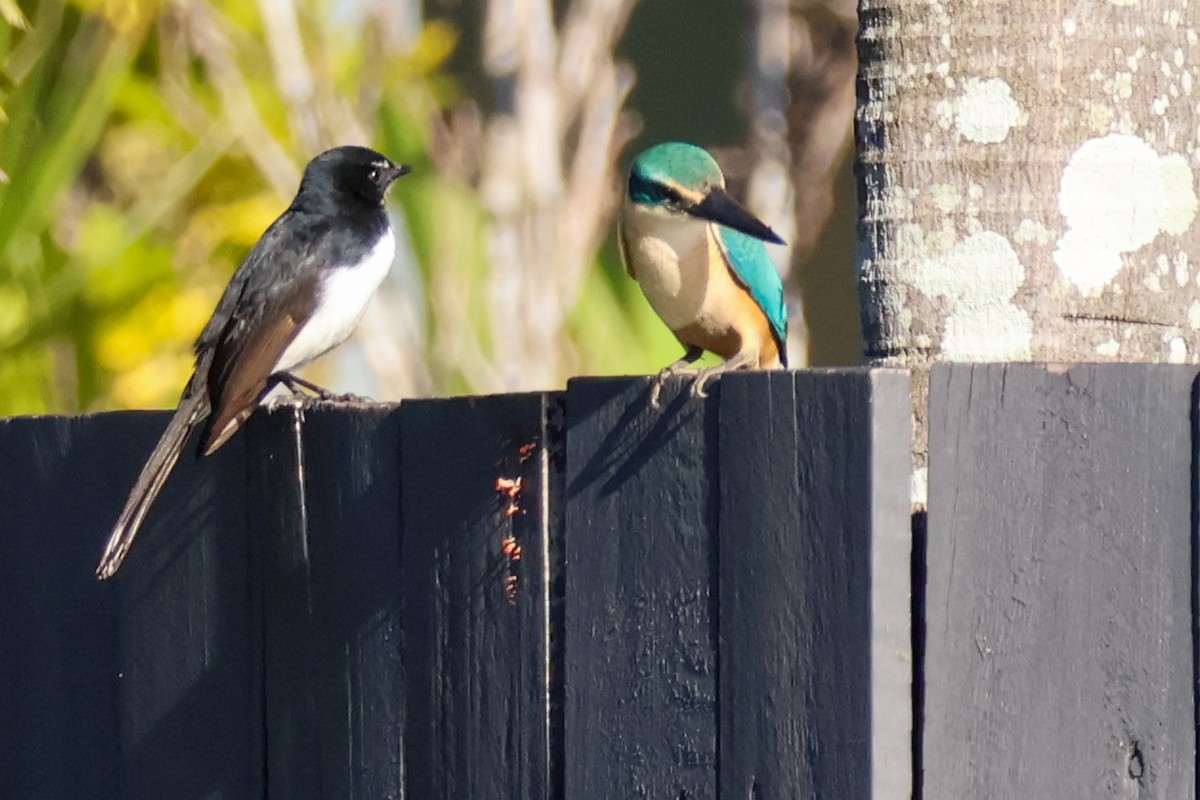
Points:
(986, 111)
(988, 333)
(1193, 315)
(946, 196)
(1123, 2)
(944, 109)
(1183, 273)
(1087, 263)
(1177, 352)
(1179, 193)
(978, 277)
(1109, 349)
(910, 241)
(1100, 116)
(1117, 195)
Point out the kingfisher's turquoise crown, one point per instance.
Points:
(657, 171)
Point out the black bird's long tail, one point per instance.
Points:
(193, 408)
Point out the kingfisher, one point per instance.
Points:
(699, 258)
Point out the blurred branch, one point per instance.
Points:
(205, 26)
(547, 177)
(292, 73)
(820, 115)
(801, 121)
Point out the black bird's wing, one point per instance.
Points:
(269, 296)
(272, 295)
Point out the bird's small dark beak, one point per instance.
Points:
(398, 170)
(717, 206)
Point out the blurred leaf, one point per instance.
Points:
(14, 313)
(12, 14)
(24, 374)
(433, 47)
(125, 16)
(117, 269)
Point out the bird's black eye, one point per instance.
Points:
(672, 198)
(373, 174)
(651, 193)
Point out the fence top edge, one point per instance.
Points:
(1062, 367)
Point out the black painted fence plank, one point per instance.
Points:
(1059, 658)
(476, 524)
(641, 534)
(326, 485)
(143, 686)
(814, 592)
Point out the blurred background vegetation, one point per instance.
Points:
(145, 145)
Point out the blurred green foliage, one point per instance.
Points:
(130, 190)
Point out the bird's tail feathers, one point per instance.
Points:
(192, 408)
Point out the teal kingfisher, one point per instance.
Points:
(698, 255)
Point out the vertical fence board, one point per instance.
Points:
(641, 521)
(326, 487)
(814, 564)
(1060, 566)
(475, 475)
(143, 686)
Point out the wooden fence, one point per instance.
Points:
(568, 595)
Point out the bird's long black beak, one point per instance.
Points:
(717, 206)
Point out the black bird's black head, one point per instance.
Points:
(349, 176)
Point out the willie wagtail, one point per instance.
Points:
(300, 291)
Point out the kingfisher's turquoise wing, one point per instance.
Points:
(752, 267)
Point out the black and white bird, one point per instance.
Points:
(300, 291)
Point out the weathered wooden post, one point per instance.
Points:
(1028, 192)
(1027, 183)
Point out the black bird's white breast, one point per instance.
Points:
(343, 293)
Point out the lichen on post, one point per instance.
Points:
(1027, 184)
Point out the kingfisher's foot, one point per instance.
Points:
(705, 376)
(681, 367)
(660, 380)
(700, 384)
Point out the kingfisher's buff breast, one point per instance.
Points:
(669, 260)
(682, 271)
